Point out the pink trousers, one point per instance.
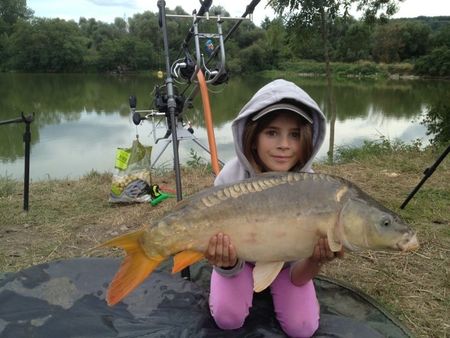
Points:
(296, 307)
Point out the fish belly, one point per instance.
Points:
(280, 223)
(275, 241)
(258, 239)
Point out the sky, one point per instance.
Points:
(108, 10)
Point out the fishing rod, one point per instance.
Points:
(27, 140)
(206, 4)
(172, 111)
(197, 72)
(167, 100)
(248, 11)
(428, 172)
(172, 103)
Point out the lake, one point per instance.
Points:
(80, 119)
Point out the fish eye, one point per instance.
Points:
(386, 221)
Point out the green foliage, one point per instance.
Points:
(437, 121)
(356, 69)
(303, 67)
(313, 21)
(197, 162)
(375, 148)
(441, 37)
(274, 42)
(355, 43)
(400, 68)
(125, 54)
(47, 45)
(360, 68)
(437, 63)
(4, 55)
(12, 11)
(400, 40)
(307, 45)
(254, 57)
(305, 30)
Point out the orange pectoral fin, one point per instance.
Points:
(185, 258)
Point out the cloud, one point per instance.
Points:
(115, 3)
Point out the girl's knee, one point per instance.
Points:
(300, 327)
(228, 318)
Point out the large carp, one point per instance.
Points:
(270, 219)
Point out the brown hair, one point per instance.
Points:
(253, 128)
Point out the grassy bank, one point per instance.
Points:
(67, 217)
(363, 69)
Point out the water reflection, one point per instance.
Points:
(82, 118)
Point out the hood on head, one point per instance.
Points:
(275, 92)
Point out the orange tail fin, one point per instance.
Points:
(134, 269)
(185, 258)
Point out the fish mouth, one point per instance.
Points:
(409, 243)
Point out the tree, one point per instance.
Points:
(353, 42)
(400, 40)
(10, 12)
(275, 42)
(254, 56)
(441, 37)
(437, 63)
(47, 45)
(322, 14)
(437, 121)
(126, 53)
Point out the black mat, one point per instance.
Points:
(66, 299)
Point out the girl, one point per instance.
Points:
(281, 128)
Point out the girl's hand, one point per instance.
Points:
(221, 252)
(323, 254)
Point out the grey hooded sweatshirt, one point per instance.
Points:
(239, 167)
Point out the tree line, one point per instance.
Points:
(33, 44)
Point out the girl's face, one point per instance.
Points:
(278, 145)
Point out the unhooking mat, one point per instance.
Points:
(66, 299)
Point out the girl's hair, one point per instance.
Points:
(253, 128)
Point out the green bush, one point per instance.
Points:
(375, 148)
(437, 121)
(307, 67)
(400, 68)
(437, 63)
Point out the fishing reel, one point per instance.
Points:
(216, 76)
(161, 98)
(183, 68)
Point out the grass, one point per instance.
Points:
(414, 287)
(67, 218)
(366, 69)
(7, 186)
